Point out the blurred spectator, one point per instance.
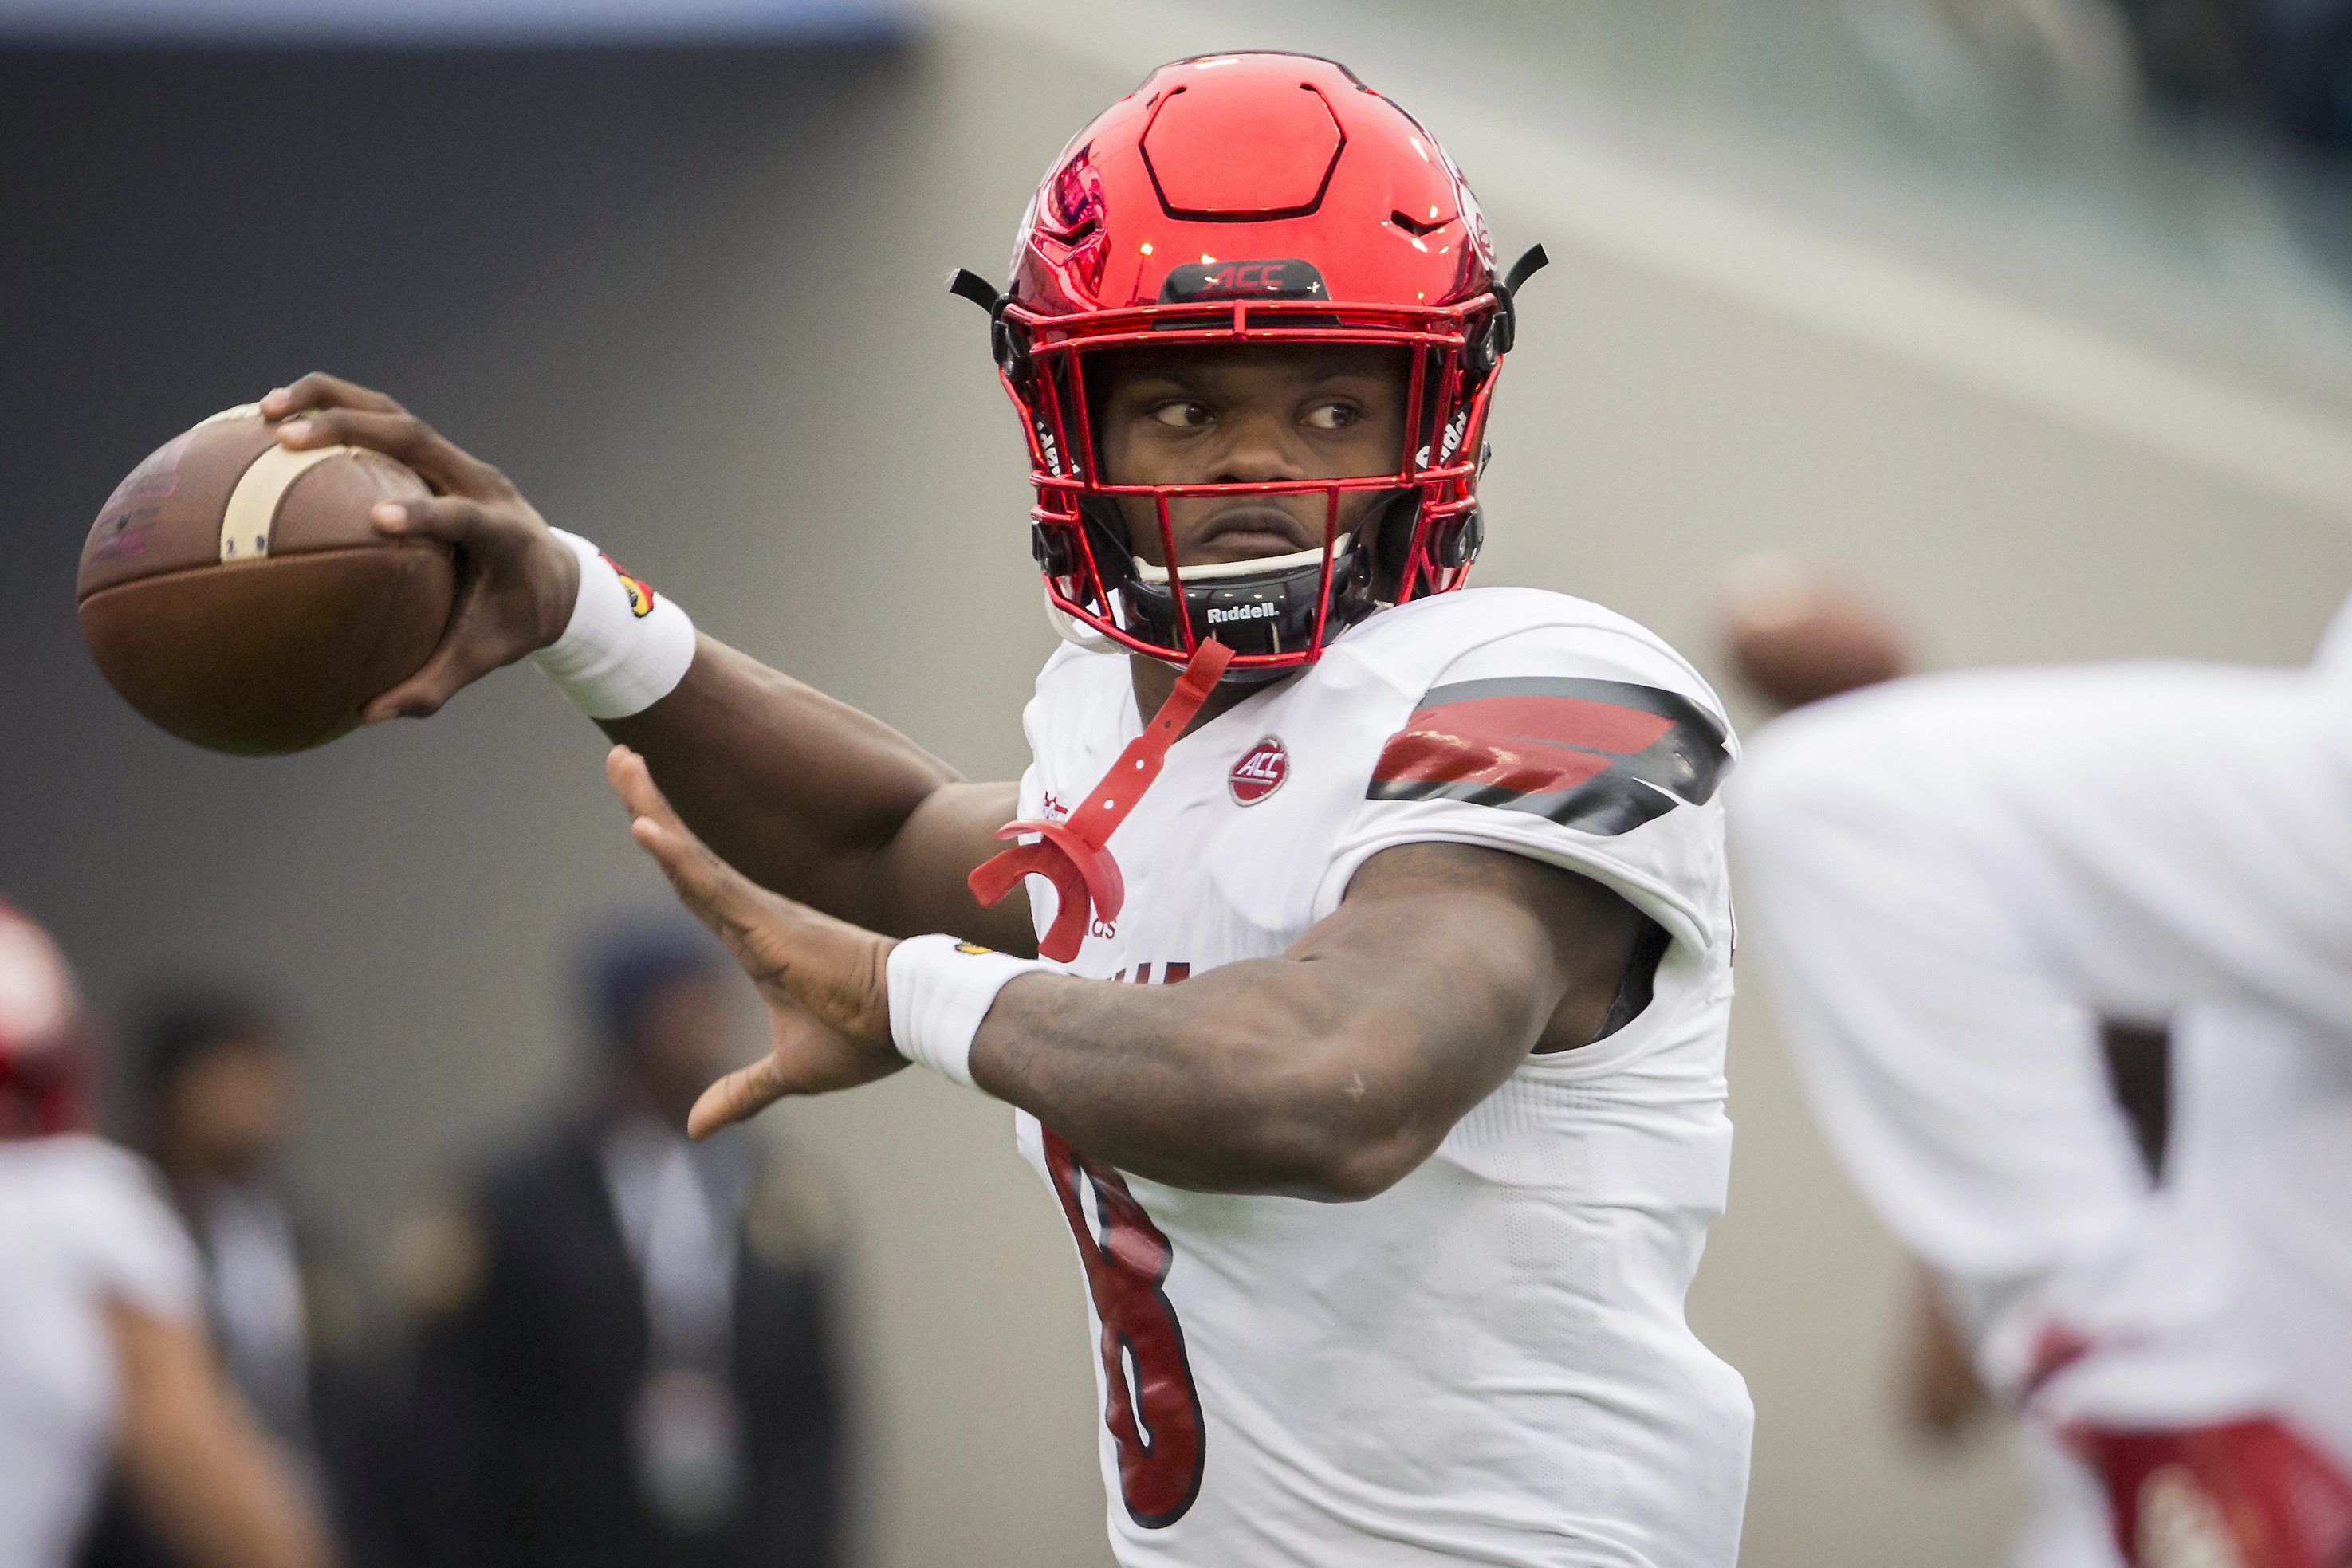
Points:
(2287, 63)
(626, 1356)
(211, 1101)
(102, 1357)
(2284, 64)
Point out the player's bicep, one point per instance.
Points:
(1481, 956)
(925, 866)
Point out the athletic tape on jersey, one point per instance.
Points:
(1488, 1362)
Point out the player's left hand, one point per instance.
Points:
(822, 979)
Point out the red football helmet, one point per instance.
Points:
(1257, 198)
(44, 1045)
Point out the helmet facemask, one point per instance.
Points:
(1386, 536)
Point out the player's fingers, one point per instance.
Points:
(455, 664)
(833, 971)
(802, 961)
(452, 519)
(808, 1059)
(712, 891)
(633, 782)
(320, 390)
(471, 648)
(737, 1097)
(440, 462)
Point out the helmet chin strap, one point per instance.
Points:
(1073, 853)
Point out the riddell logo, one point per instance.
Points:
(1260, 772)
(1260, 611)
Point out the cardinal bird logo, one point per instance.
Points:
(641, 596)
(1601, 756)
(1260, 772)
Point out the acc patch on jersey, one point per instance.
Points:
(1260, 771)
(1601, 756)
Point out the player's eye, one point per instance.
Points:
(1182, 415)
(1333, 415)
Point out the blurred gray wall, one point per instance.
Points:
(692, 303)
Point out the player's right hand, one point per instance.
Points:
(516, 581)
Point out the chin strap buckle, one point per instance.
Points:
(1073, 853)
(966, 284)
(1503, 330)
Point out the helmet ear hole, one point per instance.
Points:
(1106, 533)
(1393, 535)
(1010, 347)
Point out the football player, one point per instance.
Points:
(1375, 1051)
(1958, 878)
(103, 1358)
(1798, 635)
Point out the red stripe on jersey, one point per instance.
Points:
(1533, 745)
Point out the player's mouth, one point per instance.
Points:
(1246, 530)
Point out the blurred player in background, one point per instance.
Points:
(1798, 635)
(1441, 875)
(102, 1351)
(627, 1356)
(1959, 879)
(213, 1100)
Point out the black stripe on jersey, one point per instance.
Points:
(1601, 756)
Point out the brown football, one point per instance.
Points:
(237, 593)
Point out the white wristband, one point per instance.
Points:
(625, 646)
(939, 991)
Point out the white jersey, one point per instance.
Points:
(81, 1226)
(1488, 1362)
(1956, 876)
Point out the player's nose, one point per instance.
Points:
(1259, 449)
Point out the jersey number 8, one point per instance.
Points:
(1152, 1408)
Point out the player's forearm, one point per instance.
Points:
(1273, 1076)
(800, 792)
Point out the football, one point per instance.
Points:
(237, 594)
(1798, 635)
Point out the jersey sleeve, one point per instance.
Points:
(1588, 748)
(132, 1247)
(2152, 834)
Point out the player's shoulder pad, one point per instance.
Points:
(1543, 705)
(1497, 631)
